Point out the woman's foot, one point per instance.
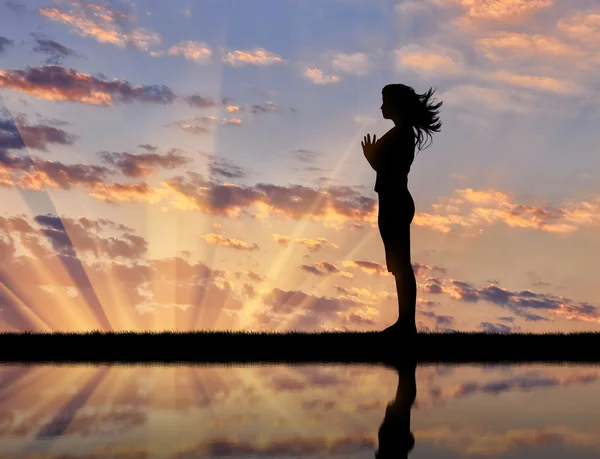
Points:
(401, 330)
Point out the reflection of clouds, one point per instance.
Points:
(478, 441)
(240, 411)
(437, 392)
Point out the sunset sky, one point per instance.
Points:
(191, 165)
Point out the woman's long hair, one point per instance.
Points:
(421, 113)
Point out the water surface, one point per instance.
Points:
(184, 412)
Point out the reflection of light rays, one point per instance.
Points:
(266, 398)
(14, 379)
(47, 402)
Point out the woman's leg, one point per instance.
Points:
(406, 288)
(406, 284)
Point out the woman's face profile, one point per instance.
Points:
(388, 111)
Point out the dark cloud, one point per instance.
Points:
(305, 155)
(69, 237)
(148, 147)
(143, 165)
(327, 267)
(303, 311)
(263, 108)
(287, 447)
(254, 276)
(312, 270)
(5, 43)
(322, 268)
(419, 269)
(53, 82)
(15, 6)
(525, 303)
(198, 101)
(17, 134)
(440, 320)
(489, 327)
(54, 50)
(224, 168)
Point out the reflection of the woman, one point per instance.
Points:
(395, 438)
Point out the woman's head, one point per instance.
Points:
(402, 103)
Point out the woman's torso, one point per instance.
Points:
(395, 151)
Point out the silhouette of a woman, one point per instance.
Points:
(391, 157)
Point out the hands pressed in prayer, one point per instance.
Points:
(369, 146)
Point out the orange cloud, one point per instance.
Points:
(101, 23)
(318, 77)
(258, 56)
(492, 207)
(369, 267)
(217, 239)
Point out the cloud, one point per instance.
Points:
(369, 267)
(103, 24)
(332, 206)
(286, 447)
(440, 321)
(15, 6)
(148, 147)
(314, 245)
(537, 82)
(353, 63)
(525, 303)
(501, 9)
(508, 46)
(41, 173)
(489, 327)
(53, 82)
(199, 52)
(17, 134)
(583, 26)
(491, 207)
(257, 56)
(419, 269)
(324, 268)
(438, 60)
(5, 43)
(224, 168)
(164, 294)
(297, 310)
(196, 100)
(306, 156)
(68, 237)
(318, 77)
(217, 239)
(201, 124)
(143, 165)
(111, 193)
(54, 50)
(312, 270)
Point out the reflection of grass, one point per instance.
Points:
(295, 347)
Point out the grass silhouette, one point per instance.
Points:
(296, 347)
